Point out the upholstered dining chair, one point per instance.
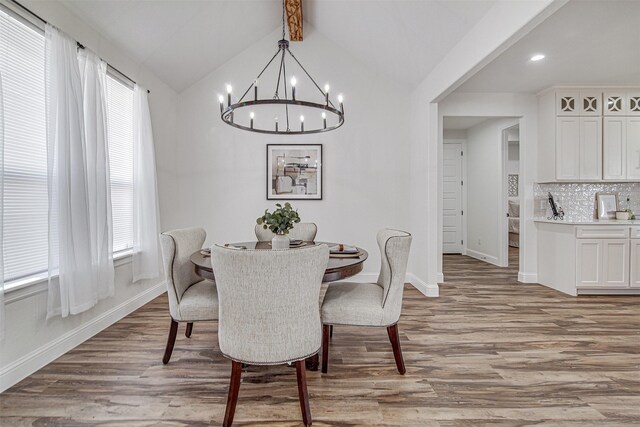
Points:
(191, 299)
(371, 304)
(269, 313)
(305, 231)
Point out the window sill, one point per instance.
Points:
(23, 288)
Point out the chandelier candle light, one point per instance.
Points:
(326, 107)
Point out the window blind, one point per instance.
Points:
(120, 124)
(25, 241)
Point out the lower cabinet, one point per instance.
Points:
(602, 263)
(634, 280)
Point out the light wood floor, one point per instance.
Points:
(488, 351)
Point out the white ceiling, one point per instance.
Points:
(404, 39)
(182, 41)
(462, 123)
(585, 42)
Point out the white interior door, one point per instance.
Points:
(452, 198)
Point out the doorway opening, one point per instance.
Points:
(481, 189)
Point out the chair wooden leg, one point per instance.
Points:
(397, 351)
(171, 340)
(302, 392)
(326, 333)
(331, 332)
(187, 333)
(312, 362)
(234, 388)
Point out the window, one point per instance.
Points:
(120, 122)
(25, 240)
(25, 150)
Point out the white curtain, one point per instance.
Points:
(73, 253)
(146, 217)
(1, 212)
(94, 88)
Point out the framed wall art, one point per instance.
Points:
(294, 172)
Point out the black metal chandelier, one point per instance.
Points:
(332, 116)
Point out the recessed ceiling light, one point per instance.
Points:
(537, 57)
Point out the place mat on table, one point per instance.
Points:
(354, 255)
(295, 244)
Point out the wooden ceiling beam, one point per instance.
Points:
(294, 18)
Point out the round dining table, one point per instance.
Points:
(338, 268)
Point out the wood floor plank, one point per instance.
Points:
(488, 351)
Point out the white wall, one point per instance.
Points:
(503, 25)
(525, 107)
(485, 211)
(31, 341)
(222, 170)
(513, 160)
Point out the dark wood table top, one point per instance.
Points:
(337, 268)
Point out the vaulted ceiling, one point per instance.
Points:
(182, 41)
(585, 42)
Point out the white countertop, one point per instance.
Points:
(592, 222)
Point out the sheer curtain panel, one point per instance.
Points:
(94, 75)
(69, 227)
(146, 218)
(1, 212)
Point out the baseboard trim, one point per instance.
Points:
(483, 257)
(32, 362)
(440, 278)
(527, 277)
(429, 290)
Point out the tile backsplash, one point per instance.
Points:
(578, 200)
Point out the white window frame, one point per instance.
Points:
(37, 282)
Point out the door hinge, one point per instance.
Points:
(461, 182)
(461, 212)
(462, 242)
(462, 153)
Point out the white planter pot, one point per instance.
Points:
(280, 241)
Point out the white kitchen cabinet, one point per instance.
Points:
(633, 103)
(602, 263)
(634, 280)
(614, 148)
(590, 103)
(579, 148)
(589, 262)
(568, 148)
(615, 103)
(615, 263)
(590, 148)
(633, 147)
(567, 103)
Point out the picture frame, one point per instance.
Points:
(294, 172)
(607, 205)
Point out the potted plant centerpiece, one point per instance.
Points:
(279, 222)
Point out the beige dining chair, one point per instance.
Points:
(371, 304)
(305, 231)
(191, 299)
(269, 313)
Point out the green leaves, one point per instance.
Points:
(281, 220)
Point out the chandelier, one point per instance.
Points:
(284, 101)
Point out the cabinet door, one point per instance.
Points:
(589, 262)
(615, 104)
(567, 103)
(614, 148)
(568, 148)
(591, 103)
(615, 263)
(590, 148)
(633, 103)
(633, 147)
(634, 280)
